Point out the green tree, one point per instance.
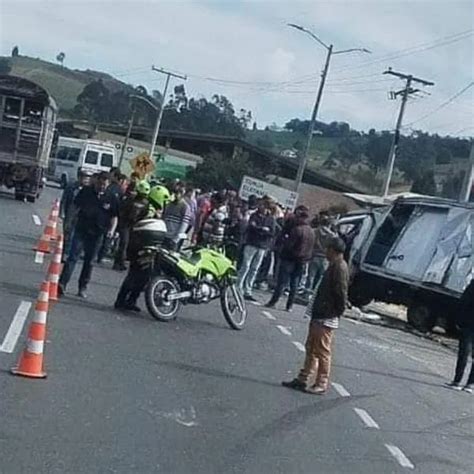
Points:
(60, 58)
(5, 66)
(216, 171)
(93, 102)
(15, 52)
(425, 184)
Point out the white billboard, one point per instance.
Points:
(259, 188)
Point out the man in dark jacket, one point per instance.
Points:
(131, 210)
(466, 340)
(259, 235)
(97, 217)
(325, 309)
(296, 251)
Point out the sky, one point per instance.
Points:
(245, 51)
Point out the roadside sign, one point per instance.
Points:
(142, 164)
(259, 188)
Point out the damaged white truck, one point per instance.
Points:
(417, 252)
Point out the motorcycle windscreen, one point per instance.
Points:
(412, 253)
(452, 247)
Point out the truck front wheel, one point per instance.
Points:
(31, 199)
(19, 196)
(421, 316)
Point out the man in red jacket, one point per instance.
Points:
(297, 250)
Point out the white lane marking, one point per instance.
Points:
(299, 346)
(39, 257)
(284, 330)
(36, 219)
(269, 315)
(398, 454)
(16, 326)
(340, 389)
(366, 418)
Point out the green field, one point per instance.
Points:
(62, 83)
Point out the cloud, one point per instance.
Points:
(250, 42)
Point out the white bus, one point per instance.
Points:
(73, 154)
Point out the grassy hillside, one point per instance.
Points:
(321, 147)
(62, 83)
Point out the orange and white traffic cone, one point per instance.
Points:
(48, 235)
(54, 270)
(43, 244)
(30, 363)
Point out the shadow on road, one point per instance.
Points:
(392, 376)
(20, 238)
(215, 373)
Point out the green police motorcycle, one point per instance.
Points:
(196, 276)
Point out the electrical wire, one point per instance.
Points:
(441, 106)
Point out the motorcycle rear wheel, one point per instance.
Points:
(155, 298)
(230, 299)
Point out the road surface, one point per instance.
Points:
(127, 394)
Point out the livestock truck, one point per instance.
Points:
(27, 126)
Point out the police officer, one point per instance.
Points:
(97, 217)
(132, 209)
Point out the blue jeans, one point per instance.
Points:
(251, 261)
(289, 272)
(89, 243)
(316, 270)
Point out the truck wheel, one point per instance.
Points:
(19, 197)
(421, 317)
(31, 199)
(63, 182)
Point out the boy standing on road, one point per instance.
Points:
(97, 216)
(325, 309)
(466, 340)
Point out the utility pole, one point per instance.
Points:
(160, 115)
(405, 92)
(468, 178)
(330, 52)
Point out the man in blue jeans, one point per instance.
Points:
(296, 252)
(259, 236)
(98, 215)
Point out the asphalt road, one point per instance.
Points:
(127, 394)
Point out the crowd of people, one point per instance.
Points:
(287, 252)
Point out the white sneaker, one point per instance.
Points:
(468, 388)
(454, 386)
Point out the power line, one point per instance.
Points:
(443, 105)
(413, 50)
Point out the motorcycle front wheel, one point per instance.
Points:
(157, 303)
(233, 307)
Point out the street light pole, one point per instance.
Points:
(330, 52)
(312, 124)
(127, 137)
(162, 108)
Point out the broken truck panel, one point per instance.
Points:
(418, 252)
